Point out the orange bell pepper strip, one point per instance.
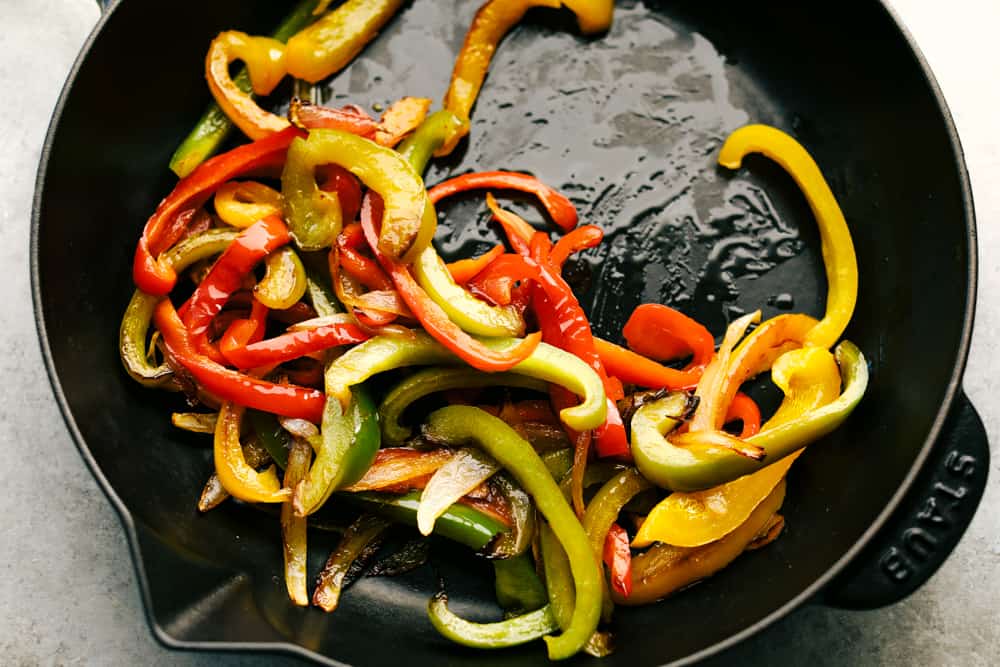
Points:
(264, 58)
(465, 270)
(430, 315)
(636, 369)
(745, 410)
(579, 239)
(663, 333)
(557, 205)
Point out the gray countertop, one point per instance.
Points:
(68, 587)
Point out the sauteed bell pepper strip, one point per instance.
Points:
(284, 281)
(244, 332)
(810, 379)
(603, 511)
(436, 379)
(473, 351)
(662, 333)
(331, 43)
(366, 271)
(139, 312)
(295, 344)
(409, 219)
(664, 569)
(264, 58)
(701, 466)
(462, 524)
(166, 226)
(418, 148)
(275, 439)
(213, 127)
(518, 587)
(618, 557)
(593, 16)
(349, 440)
(492, 21)
(838, 248)
(503, 634)
(458, 424)
(546, 363)
(464, 270)
(293, 528)
(252, 245)
(228, 385)
(579, 239)
(636, 369)
(558, 206)
(237, 477)
(746, 411)
(242, 203)
(404, 116)
(309, 116)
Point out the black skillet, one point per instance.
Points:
(629, 125)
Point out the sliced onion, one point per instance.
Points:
(395, 466)
(317, 322)
(463, 473)
(299, 427)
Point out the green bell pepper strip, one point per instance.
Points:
(517, 540)
(460, 523)
(408, 221)
(695, 468)
(213, 127)
(503, 634)
(433, 380)
(139, 312)
(558, 462)
(345, 449)
(271, 435)
(546, 363)
(604, 507)
(284, 281)
(518, 587)
(418, 148)
(459, 424)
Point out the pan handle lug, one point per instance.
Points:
(928, 523)
(105, 5)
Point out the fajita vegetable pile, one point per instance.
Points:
(291, 287)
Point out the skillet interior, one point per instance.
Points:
(629, 125)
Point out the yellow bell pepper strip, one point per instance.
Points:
(464, 472)
(330, 43)
(546, 363)
(361, 538)
(664, 568)
(139, 312)
(213, 127)
(461, 424)
(284, 281)
(810, 379)
(435, 379)
(213, 493)
(473, 315)
(238, 478)
(348, 442)
(503, 634)
(593, 16)
(713, 380)
(264, 58)
(838, 248)
(195, 422)
(408, 221)
(518, 588)
(693, 461)
(293, 528)
(242, 203)
(492, 21)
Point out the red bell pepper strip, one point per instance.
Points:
(579, 239)
(229, 385)
(251, 246)
(348, 190)
(295, 344)
(366, 271)
(636, 369)
(465, 270)
(744, 409)
(167, 224)
(519, 233)
(430, 315)
(351, 118)
(559, 207)
(662, 333)
(244, 332)
(618, 558)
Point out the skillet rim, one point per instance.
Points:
(952, 390)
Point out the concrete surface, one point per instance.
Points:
(67, 586)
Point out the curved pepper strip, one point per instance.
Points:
(348, 442)
(492, 21)
(284, 281)
(236, 476)
(745, 410)
(139, 312)
(311, 116)
(242, 203)
(546, 363)
(702, 466)
(458, 424)
(366, 271)
(593, 16)
(295, 344)
(434, 319)
(228, 385)
(636, 369)
(167, 224)
(663, 333)
(838, 248)
(575, 241)
(241, 332)
(664, 569)
(264, 58)
(293, 528)
(503, 634)
(557, 205)
(464, 270)
(433, 380)
(330, 43)
(401, 118)
(518, 588)
(709, 392)
(810, 379)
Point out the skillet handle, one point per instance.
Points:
(105, 5)
(928, 523)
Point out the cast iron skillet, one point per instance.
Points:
(629, 125)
